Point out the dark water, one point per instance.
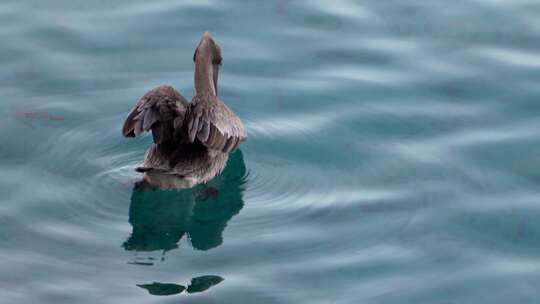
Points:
(393, 153)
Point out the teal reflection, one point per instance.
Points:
(160, 218)
(162, 289)
(198, 284)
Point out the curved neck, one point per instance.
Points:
(205, 76)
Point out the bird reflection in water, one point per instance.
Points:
(198, 284)
(161, 218)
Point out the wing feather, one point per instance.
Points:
(161, 110)
(212, 123)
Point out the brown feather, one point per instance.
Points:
(149, 119)
(160, 110)
(137, 128)
(206, 109)
(229, 145)
(205, 132)
(156, 133)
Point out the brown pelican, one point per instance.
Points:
(192, 140)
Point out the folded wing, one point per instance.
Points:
(161, 110)
(211, 122)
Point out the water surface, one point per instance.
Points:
(393, 153)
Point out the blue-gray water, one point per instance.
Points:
(393, 153)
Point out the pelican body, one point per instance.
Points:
(192, 140)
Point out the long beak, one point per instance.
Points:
(215, 76)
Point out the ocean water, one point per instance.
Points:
(393, 153)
